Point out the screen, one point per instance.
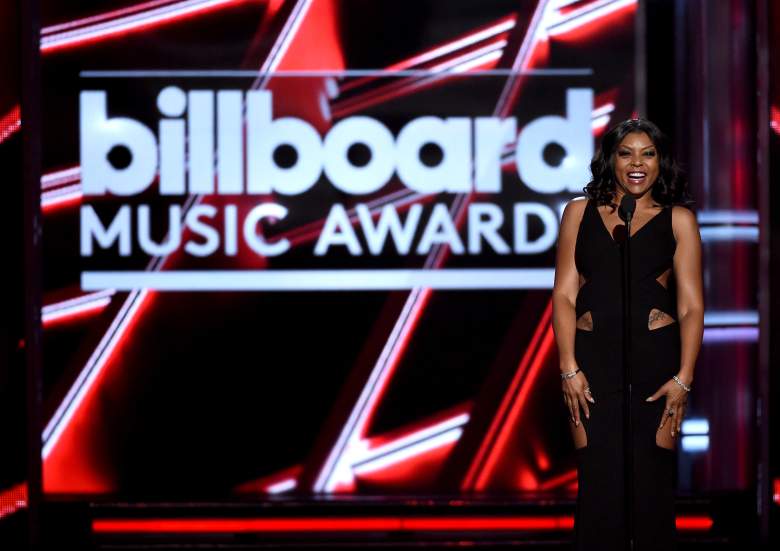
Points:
(308, 246)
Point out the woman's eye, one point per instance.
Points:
(626, 153)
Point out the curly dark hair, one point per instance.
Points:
(671, 186)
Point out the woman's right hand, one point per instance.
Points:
(575, 395)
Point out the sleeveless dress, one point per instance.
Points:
(600, 520)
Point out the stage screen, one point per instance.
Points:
(307, 246)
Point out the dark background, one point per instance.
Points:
(711, 83)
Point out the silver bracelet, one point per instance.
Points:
(569, 374)
(682, 384)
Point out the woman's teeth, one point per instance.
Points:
(636, 177)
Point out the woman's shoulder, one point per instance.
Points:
(684, 221)
(682, 215)
(576, 206)
(571, 217)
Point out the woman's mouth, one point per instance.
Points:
(636, 177)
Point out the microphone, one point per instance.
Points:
(627, 208)
(626, 212)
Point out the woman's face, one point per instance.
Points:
(636, 164)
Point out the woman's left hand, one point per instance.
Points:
(676, 402)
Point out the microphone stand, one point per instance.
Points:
(628, 441)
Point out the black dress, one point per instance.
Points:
(600, 520)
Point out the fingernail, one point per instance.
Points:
(648, 399)
(576, 423)
(587, 416)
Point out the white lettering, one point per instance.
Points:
(338, 230)
(119, 229)
(257, 243)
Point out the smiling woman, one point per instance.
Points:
(637, 162)
(666, 326)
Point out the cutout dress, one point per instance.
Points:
(600, 520)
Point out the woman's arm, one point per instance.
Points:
(690, 302)
(564, 297)
(566, 285)
(690, 312)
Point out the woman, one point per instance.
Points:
(666, 331)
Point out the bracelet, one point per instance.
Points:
(570, 374)
(682, 384)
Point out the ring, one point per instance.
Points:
(671, 411)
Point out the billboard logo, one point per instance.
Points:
(187, 133)
(224, 142)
